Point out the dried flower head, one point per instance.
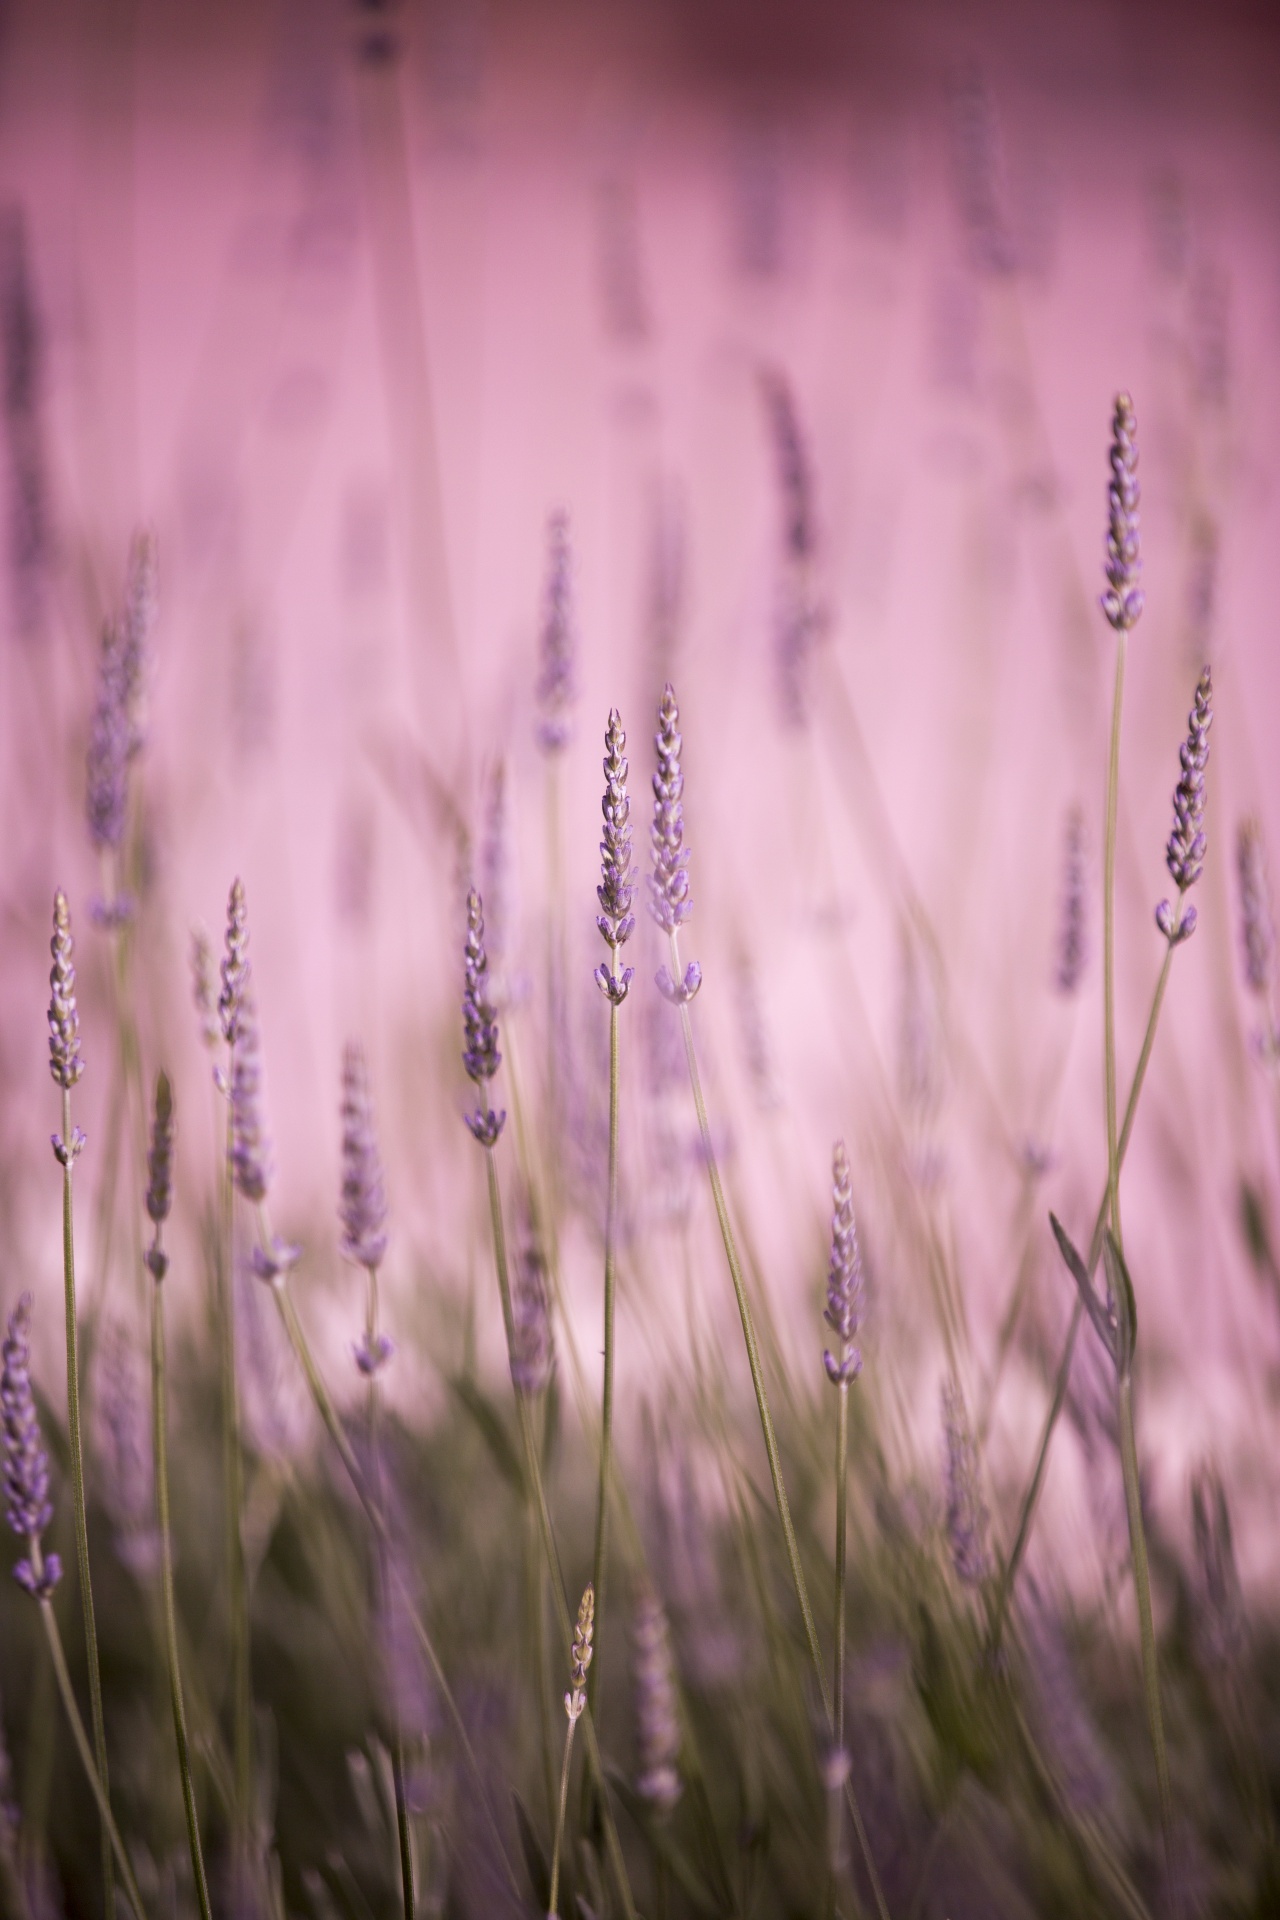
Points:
(657, 1706)
(26, 1465)
(1184, 855)
(1257, 921)
(533, 1354)
(844, 1276)
(250, 1153)
(480, 1055)
(235, 964)
(363, 1205)
(1122, 602)
(967, 1517)
(1073, 930)
(106, 784)
(202, 988)
(65, 1063)
(576, 1699)
(617, 876)
(556, 679)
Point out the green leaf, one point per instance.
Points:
(1102, 1320)
(492, 1428)
(1126, 1305)
(534, 1858)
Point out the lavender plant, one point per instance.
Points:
(844, 1317)
(574, 1704)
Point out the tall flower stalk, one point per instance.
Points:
(616, 923)
(159, 1200)
(481, 1059)
(574, 1703)
(66, 1065)
(28, 1510)
(670, 904)
(363, 1211)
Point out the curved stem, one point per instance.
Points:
(600, 1559)
(766, 1418)
(75, 1448)
(161, 1450)
(842, 1520)
(83, 1748)
(564, 1801)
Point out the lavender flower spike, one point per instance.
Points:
(1072, 936)
(967, 1517)
(106, 783)
(65, 1063)
(160, 1172)
(1257, 922)
(26, 1465)
(669, 901)
(250, 1157)
(1122, 602)
(617, 876)
(556, 681)
(533, 1353)
(480, 1054)
(1184, 855)
(235, 964)
(363, 1206)
(844, 1277)
(576, 1699)
(657, 1710)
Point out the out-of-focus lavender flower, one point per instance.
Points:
(1257, 921)
(160, 1172)
(657, 1707)
(979, 176)
(363, 1205)
(669, 901)
(373, 1351)
(791, 465)
(23, 365)
(141, 601)
(533, 1353)
(1184, 855)
(250, 1154)
(497, 891)
(202, 988)
(754, 1034)
(617, 878)
(844, 1276)
(556, 679)
(235, 964)
(1073, 929)
(967, 1517)
(26, 1465)
(480, 1055)
(65, 1062)
(122, 1438)
(1122, 602)
(576, 1699)
(1222, 1628)
(106, 788)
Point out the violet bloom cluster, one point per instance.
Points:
(363, 1205)
(967, 1517)
(65, 1061)
(235, 964)
(1122, 602)
(533, 1353)
(1184, 855)
(1072, 936)
(26, 1465)
(669, 901)
(1257, 922)
(557, 681)
(250, 1151)
(480, 1055)
(106, 785)
(160, 1174)
(844, 1277)
(576, 1699)
(617, 876)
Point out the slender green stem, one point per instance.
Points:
(1030, 1500)
(552, 1906)
(67, 1692)
(600, 1560)
(161, 1451)
(766, 1419)
(78, 1499)
(1146, 1624)
(333, 1426)
(842, 1528)
(1109, 937)
(233, 1508)
(555, 1572)
(537, 1629)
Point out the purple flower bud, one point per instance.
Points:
(1184, 855)
(669, 901)
(106, 787)
(235, 964)
(160, 1158)
(250, 1154)
(533, 1354)
(1122, 602)
(1072, 935)
(844, 1276)
(1257, 922)
(617, 883)
(480, 1055)
(276, 1260)
(363, 1206)
(372, 1353)
(65, 1063)
(26, 1465)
